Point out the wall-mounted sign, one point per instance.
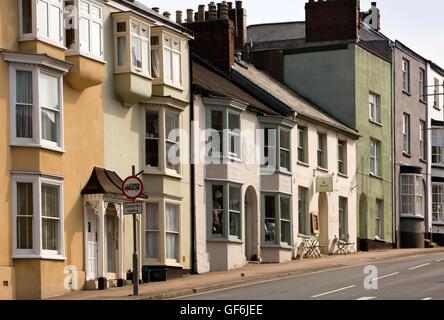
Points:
(132, 187)
(132, 208)
(324, 184)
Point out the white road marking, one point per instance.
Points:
(421, 265)
(430, 298)
(325, 293)
(366, 298)
(388, 275)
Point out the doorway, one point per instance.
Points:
(111, 242)
(251, 225)
(92, 247)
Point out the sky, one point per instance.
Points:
(418, 24)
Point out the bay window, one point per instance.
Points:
(438, 203)
(152, 231)
(277, 219)
(36, 97)
(276, 152)
(162, 140)
(284, 148)
(42, 20)
(132, 45)
(225, 211)
(38, 216)
(172, 231)
(411, 195)
(87, 39)
(225, 140)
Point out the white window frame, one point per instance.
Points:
(436, 94)
(178, 233)
(78, 15)
(302, 148)
(162, 140)
(406, 147)
(437, 145)
(406, 75)
(343, 211)
(422, 85)
(226, 236)
(277, 218)
(322, 151)
(405, 192)
(129, 34)
(343, 144)
(172, 51)
(147, 230)
(36, 140)
(422, 140)
(375, 107)
(35, 34)
(379, 219)
(375, 157)
(37, 252)
(303, 213)
(438, 206)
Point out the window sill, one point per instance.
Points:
(437, 165)
(158, 82)
(423, 101)
(322, 169)
(423, 161)
(24, 38)
(285, 172)
(379, 124)
(304, 164)
(34, 145)
(41, 257)
(231, 240)
(276, 246)
(407, 155)
(172, 263)
(157, 171)
(406, 92)
(436, 108)
(411, 216)
(375, 176)
(438, 224)
(71, 53)
(379, 239)
(342, 175)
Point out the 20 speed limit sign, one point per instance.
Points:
(132, 187)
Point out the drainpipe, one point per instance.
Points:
(192, 166)
(395, 216)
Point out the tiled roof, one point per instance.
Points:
(303, 107)
(208, 78)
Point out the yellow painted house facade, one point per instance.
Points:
(90, 88)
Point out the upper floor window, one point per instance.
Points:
(411, 194)
(406, 75)
(422, 85)
(36, 100)
(375, 157)
(422, 140)
(226, 135)
(436, 94)
(162, 140)
(406, 133)
(276, 149)
(322, 151)
(41, 19)
(437, 145)
(342, 157)
(438, 203)
(87, 39)
(302, 145)
(167, 52)
(38, 217)
(284, 149)
(375, 107)
(132, 45)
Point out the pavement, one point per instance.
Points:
(251, 274)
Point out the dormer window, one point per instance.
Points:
(86, 38)
(42, 20)
(166, 58)
(132, 45)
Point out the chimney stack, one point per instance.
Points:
(179, 17)
(201, 13)
(240, 25)
(331, 20)
(190, 15)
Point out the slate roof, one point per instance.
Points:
(276, 31)
(303, 107)
(207, 77)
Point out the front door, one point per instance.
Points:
(92, 246)
(111, 245)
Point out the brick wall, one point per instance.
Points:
(331, 20)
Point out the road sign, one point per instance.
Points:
(132, 208)
(132, 187)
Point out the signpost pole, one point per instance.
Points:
(135, 257)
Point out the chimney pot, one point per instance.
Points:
(230, 5)
(224, 10)
(156, 9)
(190, 15)
(167, 15)
(201, 13)
(238, 4)
(213, 11)
(179, 17)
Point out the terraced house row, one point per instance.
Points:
(252, 140)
